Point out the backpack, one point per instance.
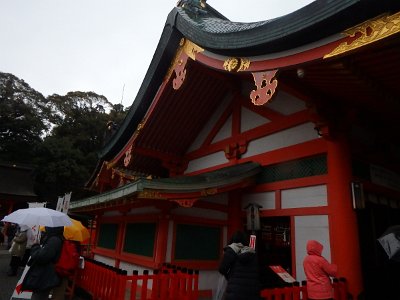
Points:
(69, 259)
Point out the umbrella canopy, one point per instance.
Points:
(38, 216)
(76, 231)
(390, 241)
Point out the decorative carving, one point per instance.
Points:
(208, 192)
(197, 7)
(236, 64)
(185, 202)
(187, 49)
(180, 71)
(369, 32)
(128, 156)
(266, 86)
(235, 150)
(191, 49)
(148, 194)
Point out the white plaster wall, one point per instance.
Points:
(219, 199)
(208, 161)
(200, 213)
(285, 138)
(106, 260)
(310, 228)
(313, 196)
(286, 104)
(250, 120)
(130, 267)
(208, 280)
(144, 210)
(224, 132)
(265, 199)
(112, 213)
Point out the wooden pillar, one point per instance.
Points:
(162, 239)
(345, 248)
(234, 213)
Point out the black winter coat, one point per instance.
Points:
(240, 267)
(42, 275)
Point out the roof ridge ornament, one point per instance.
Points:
(196, 7)
(368, 32)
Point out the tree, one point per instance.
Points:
(68, 155)
(23, 119)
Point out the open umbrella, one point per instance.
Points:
(76, 231)
(38, 216)
(390, 241)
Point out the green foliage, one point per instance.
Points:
(60, 135)
(22, 124)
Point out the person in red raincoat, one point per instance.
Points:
(318, 272)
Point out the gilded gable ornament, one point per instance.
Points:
(187, 50)
(368, 32)
(266, 85)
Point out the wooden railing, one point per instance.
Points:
(297, 291)
(105, 282)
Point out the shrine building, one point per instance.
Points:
(297, 118)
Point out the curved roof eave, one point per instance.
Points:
(313, 22)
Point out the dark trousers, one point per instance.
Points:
(15, 262)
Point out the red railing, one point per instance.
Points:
(105, 282)
(297, 291)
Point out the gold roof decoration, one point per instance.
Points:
(369, 32)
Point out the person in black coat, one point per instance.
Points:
(42, 276)
(240, 267)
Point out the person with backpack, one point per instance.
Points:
(66, 267)
(41, 277)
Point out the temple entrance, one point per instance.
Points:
(380, 275)
(274, 244)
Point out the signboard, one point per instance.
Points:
(282, 273)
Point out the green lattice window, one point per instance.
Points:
(298, 168)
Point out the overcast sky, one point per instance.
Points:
(104, 46)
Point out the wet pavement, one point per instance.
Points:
(7, 283)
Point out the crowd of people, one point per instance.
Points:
(40, 252)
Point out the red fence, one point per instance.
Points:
(297, 291)
(106, 282)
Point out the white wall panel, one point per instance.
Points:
(250, 120)
(224, 132)
(265, 199)
(286, 104)
(106, 260)
(285, 138)
(200, 213)
(208, 161)
(310, 228)
(144, 210)
(312, 196)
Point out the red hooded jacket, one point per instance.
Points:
(318, 272)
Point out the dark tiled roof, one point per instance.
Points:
(16, 181)
(315, 21)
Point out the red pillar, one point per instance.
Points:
(345, 246)
(162, 239)
(234, 213)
